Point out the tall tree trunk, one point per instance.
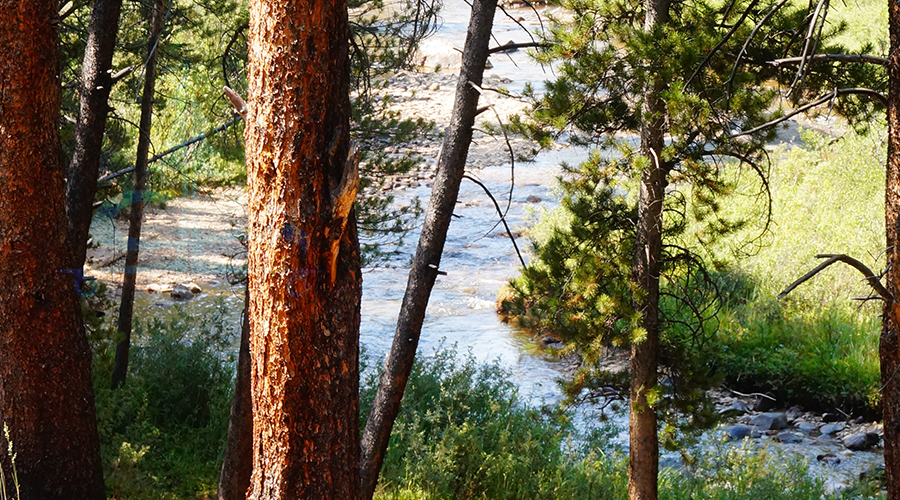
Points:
(305, 281)
(46, 397)
(643, 437)
(451, 166)
(135, 217)
(96, 81)
(237, 465)
(889, 348)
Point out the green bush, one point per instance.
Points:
(163, 432)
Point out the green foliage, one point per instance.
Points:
(816, 345)
(463, 433)
(162, 433)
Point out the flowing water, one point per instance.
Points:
(479, 259)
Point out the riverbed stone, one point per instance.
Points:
(737, 407)
(181, 293)
(832, 417)
(829, 429)
(764, 404)
(740, 431)
(788, 437)
(193, 287)
(861, 441)
(829, 459)
(769, 421)
(160, 287)
(806, 427)
(533, 199)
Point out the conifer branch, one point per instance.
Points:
(864, 58)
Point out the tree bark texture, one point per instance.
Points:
(46, 397)
(889, 347)
(96, 81)
(237, 465)
(136, 215)
(305, 281)
(643, 437)
(451, 166)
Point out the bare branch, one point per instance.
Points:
(240, 105)
(816, 58)
(511, 47)
(234, 36)
(171, 150)
(870, 276)
(500, 213)
(818, 102)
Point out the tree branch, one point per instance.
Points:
(171, 150)
(822, 100)
(871, 277)
(864, 58)
(512, 47)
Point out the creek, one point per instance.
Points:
(479, 259)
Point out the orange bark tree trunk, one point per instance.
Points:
(889, 348)
(305, 281)
(46, 397)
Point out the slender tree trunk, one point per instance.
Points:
(643, 437)
(305, 281)
(889, 348)
(96, 81)
(46, 397)
(451, 166)
(237, 465)
(135, 217)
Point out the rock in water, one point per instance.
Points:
(788, 437)
(182, 293)
(861, 441)
(829, 429)
(738, 432)
(769, 421)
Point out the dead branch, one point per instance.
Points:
(864, 58)
(870, 276)
(500, 213)
(171, 150)
(512, 47)
(234, 36)
(240, 105)
(818, 102)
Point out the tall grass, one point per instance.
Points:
(817, 345)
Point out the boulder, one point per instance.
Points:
(533, 199)
(829, 429)
(832, 417)
(788, 437)
(181, 293)
(740, 431)
(737, 407)
(861, 441)
(764, 404)
(160, 288)
(193, 287)
(769, 421)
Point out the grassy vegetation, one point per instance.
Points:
(817, 345)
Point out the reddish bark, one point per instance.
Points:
(889, 348)
(305, 282)
(237, 464)
(46, 397)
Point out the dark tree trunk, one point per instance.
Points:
(238, 462)
(135, 217)
(46, 397)
(305, 281)
(889, 348)
(451, 166)
(96, 80)
(643, 437)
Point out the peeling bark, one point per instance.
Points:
(305, 281)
